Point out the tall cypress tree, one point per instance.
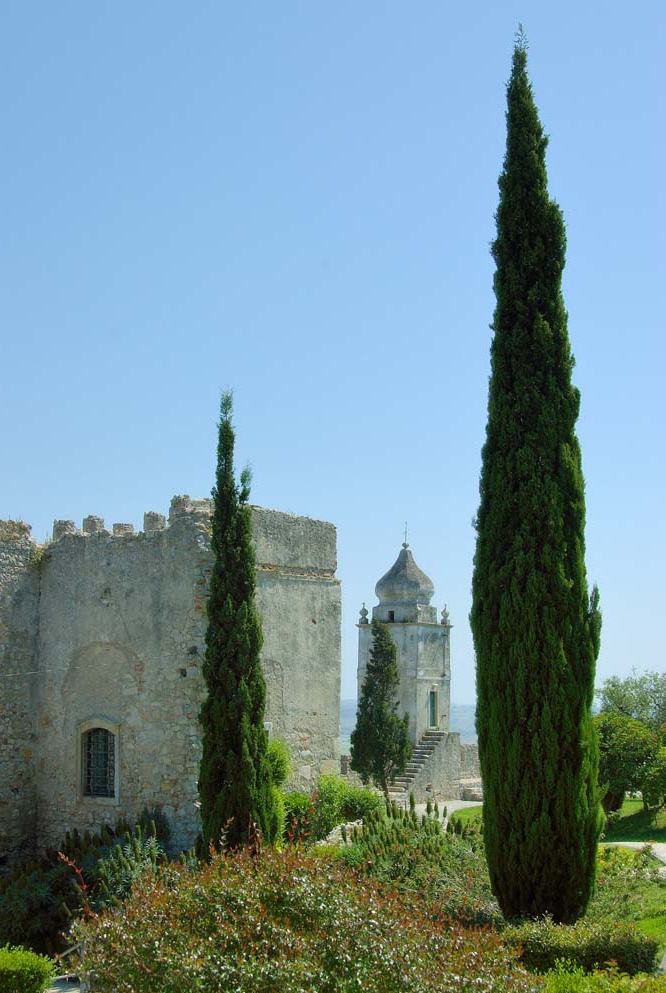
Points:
(235, 786)
(536, 631)
(380, 745)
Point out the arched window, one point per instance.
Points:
(98, 762)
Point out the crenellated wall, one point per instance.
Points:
(118, 638)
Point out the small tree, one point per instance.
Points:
(235, 783)
(627, 749)
(640, 695)
(380, 745)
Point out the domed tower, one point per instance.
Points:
(404, 595)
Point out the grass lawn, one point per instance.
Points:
(654, 927)
(466, 814)
(636, 824)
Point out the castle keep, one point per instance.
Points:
(101, 644)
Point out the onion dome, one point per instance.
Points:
(405, 582)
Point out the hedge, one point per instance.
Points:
(588, 944)
(22, 971)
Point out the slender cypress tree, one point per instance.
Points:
(235, 785)
(380, 745)
(536, 631)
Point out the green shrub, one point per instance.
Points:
(22, 971)
(357, 802)
(418, 856)
(40, 897)
(327, 806)
(279, 759)
(629, 885)
(287, 922)
(298, 812)
(653, 785)
(571, 979)
(279, 814)
(134, 855)
(37, 902)
(588, 944)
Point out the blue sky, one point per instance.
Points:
(296, 200)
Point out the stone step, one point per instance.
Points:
(422, 751)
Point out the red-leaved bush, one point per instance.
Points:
(287, 922)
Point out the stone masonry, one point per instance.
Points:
(101, 629)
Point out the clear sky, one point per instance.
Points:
(296, 200)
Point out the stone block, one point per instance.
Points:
(61, 528)
(152, 521)
(93, 524)
(120, 530)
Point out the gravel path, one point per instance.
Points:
(65, 986)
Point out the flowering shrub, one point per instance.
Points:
(285, 922)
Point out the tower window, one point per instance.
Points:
(98, 762)
(432, 709)
(391, 615)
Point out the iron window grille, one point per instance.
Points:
(99, 763)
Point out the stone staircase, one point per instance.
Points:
(421, 752)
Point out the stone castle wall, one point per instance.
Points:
(19, 598)
(120, 640)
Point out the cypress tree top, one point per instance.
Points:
(536, 633)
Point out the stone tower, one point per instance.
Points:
(424, 665)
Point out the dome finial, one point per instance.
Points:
(405, 544)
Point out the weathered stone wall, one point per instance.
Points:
(299, 600)
(441, 773)
(122, 623)
(469, 761)
(423, 656)
(18, 634)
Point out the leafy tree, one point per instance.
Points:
(380, 745)
(627, 748)
(640, 695)
(235, 783)
(653, 785)
(536, 631)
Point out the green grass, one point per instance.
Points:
(467, 814)
(654, 927)
(629, 889)
(637, 824)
